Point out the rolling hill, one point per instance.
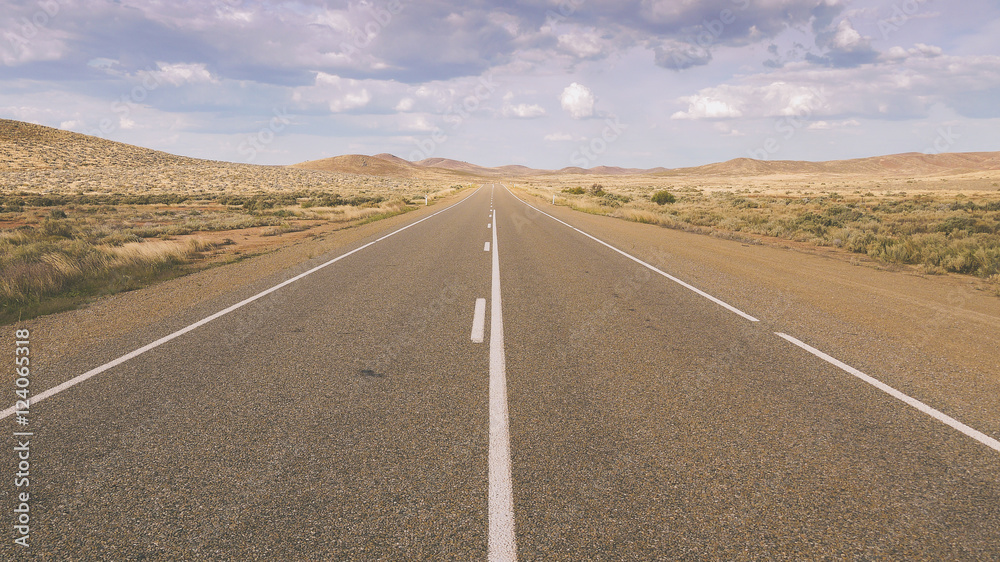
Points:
(907, 164)
(25, 146)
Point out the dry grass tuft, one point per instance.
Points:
(939, 231)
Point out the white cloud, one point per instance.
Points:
(521, 110)
(901, 89)
(829, 126)
(23, 42)
(338, 94)
(405, 104)
(180, 74)
(350, 100)
(709, 106)
(744, 100)
(896, 53)
(578, 101)
(920, 50)
(847, 38)
(928, 51)
(582, 44)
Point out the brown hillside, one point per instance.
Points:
(456, 165)
(393, 158)
(360, 164)
(517, 170)
(25, 146)
(908, 164)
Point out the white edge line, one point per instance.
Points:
(501, 541)
(98, 370)
(938, 415)
(717, 301)
(479, 321)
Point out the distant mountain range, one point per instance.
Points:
(911, 163)
(28, 146)
(393, 165)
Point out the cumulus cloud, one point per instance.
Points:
(584, 45)
(578, 101)
(906, 89)
(523, 111)
(355, 71)
(337, 93)
(768, 100)
(898, 53)
(520, 110)
(844, 47)
(680, 56)
(709, 105)
(180, 74)
(831, 125)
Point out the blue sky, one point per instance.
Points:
(544, 83)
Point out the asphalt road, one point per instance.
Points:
(612, 413)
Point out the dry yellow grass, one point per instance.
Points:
(81, 216)
(941, 224)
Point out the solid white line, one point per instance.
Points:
(98, 370)
(936, 414)
(486, 248)
(644, 264)
(479, 321)
(501, 544)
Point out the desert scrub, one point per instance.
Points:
(945, 236)
(941, 233)
(45, 272)
(663, 197)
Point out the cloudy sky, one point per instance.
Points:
(544, 83)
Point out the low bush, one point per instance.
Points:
(663, 197)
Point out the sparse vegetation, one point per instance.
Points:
(938, 231)
(82, 217)
(45, 272)
(54, 260)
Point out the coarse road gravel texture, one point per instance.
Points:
(345, 416)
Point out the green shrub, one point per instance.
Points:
(663, 197)
(57, 229)
(574, 191)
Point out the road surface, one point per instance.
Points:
(491, 382)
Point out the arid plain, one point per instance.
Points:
(83, 217)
